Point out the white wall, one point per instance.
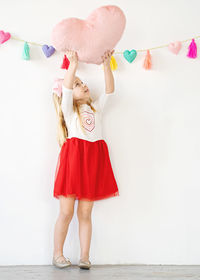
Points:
(152, 132)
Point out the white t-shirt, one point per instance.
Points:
(91, 121)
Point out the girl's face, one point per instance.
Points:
(80, 90)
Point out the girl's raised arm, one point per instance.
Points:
(67, 86)
(109, 82)
(70, 73)
(109, 79)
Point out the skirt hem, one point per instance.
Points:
(86, 198)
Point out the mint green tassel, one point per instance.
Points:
(25, 54)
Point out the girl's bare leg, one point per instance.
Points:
(84, 210)
(62, 223)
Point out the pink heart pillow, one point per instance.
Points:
(101, 31)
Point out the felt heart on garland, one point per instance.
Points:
(48, 50)
(4, 36)
(130, 55)
(175, 47)
(91, 37)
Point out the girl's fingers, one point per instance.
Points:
(72, 55)
(107, 54)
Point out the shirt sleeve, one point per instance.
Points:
(67, 102)
(101, 101)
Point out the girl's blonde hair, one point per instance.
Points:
(62, 130)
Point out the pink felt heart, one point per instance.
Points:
(4, 36)
(175, 47)
(90, 38)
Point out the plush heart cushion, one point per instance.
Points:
(101, 31)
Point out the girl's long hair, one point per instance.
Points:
(62, 130)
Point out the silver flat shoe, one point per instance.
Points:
(60, 264)
(84, 264)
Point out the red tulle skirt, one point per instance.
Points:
(84, 171)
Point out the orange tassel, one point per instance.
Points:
(65, 63)
(147, 62)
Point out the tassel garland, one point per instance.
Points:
(129, 56)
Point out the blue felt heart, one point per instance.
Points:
(130, 55)
(48, 50)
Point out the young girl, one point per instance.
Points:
(83, 170)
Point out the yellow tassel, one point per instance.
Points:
(113, 63)
(147, 62)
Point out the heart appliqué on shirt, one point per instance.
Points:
(88, 120)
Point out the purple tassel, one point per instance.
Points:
(192, 52)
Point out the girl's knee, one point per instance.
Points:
(66, 208)
(84, 214)
(66, 215)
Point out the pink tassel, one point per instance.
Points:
(192, 52)
(147, 62)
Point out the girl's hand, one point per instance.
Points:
(107, 56)
(73, 57)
